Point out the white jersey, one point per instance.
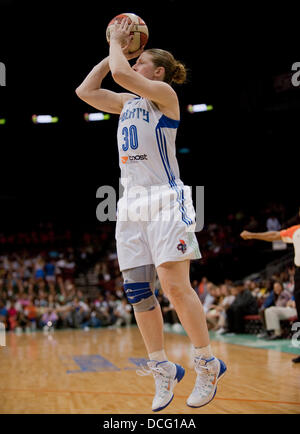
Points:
(146, 142)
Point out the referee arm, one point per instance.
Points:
(264, 236)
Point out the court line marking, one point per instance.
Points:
(144, 394)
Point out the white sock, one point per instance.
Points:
(203, 352)
(159, 356)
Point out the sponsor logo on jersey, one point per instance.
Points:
(134, 158)
(182, 246)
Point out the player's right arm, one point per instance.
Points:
(264, 236)
(105, 100)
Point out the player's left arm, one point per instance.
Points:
(122, 73)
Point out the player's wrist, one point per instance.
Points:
(115, 41)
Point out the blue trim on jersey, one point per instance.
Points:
(180, 196)
(166, 122)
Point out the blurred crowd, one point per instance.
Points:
(267, 301)
(51, 279)
(40, 291)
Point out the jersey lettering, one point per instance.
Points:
(136, 113)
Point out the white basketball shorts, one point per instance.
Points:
(156, 225)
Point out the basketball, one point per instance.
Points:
(140, 31)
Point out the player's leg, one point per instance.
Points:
(150, 324)
(175, 282)
(139, 288)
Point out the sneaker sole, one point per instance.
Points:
(179, 376)
(223, 370)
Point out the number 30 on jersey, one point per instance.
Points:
(130, 138)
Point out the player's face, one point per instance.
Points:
(145, 66)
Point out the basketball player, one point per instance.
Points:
(290, 235)
(149, 118)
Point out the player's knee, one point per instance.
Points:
(140, 296)
(139, 288)
(175, 290)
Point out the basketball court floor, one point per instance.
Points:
(96, 371)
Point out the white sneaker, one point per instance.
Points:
(209, 372)
(166, 375)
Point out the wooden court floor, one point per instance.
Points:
(95, 371)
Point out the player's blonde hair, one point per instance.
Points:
(175, 71)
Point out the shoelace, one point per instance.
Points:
(204, 378)
(159, 375)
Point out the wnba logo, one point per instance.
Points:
(2, 74)
(181, 246)
(2, 335)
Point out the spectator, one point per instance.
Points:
(12, 316)
(78, 314)
(252, 225)
(268, 301)
(273, 223)
(221, 309)
(31, 314)
(243, 304)
(94, 319)
(123, 313)
(210, 297)
(284, 308)
(49, 319)
(39, 269)
(3, 313)
(50, 270)
(212, 313)
(202, 289)
(102, 310)
(69, 270)
(22, 321)
(63, 310)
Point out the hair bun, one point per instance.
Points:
(179, 74)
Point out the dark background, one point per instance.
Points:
(244, 151)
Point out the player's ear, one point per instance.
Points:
(159, 72)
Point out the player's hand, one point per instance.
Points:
(246, 235)
(120, 32)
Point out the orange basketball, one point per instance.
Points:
(140, 31)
